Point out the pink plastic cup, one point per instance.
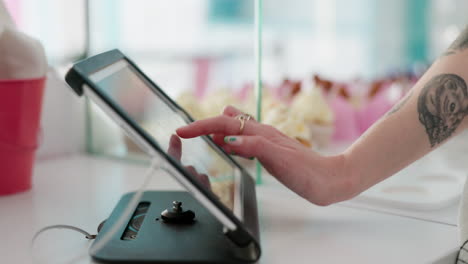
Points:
(20, 112)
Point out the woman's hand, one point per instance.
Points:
(321, 180)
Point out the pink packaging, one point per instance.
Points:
(346, 126)
(378, 106)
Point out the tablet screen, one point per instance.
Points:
(134, 95)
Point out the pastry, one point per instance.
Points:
(317, 115)
(189, 103)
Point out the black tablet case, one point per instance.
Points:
(157, 242)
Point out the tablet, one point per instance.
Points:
(150, 118)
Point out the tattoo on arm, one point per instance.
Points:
(460, 44)
(442, 105)
(400, 104)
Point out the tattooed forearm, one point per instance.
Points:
(400, 104)
(459, 44)
(442, 105)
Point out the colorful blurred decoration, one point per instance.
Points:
(315, 111)
(357, 104)
(208, 59)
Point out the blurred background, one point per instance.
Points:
(337, 38)
(331, 69)
(350, 59)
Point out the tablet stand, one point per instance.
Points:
(148, 239)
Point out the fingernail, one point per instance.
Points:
(233, 140)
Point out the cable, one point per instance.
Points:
(47, 228)
(38, 233)
(98, 245)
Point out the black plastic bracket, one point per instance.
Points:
(148, 238)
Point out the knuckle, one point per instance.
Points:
(230, 125)
(258, 142)
(229, 109)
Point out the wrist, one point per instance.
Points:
(354, 175)
(347, 178)
(339, 184)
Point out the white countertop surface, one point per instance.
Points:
(82, 191)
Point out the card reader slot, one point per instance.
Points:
(133, 226)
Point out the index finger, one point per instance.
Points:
(224, 125)
(175, 147)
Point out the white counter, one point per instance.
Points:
(82, 191)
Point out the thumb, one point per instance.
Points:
(250, 146)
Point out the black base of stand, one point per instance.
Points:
(148, 239)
